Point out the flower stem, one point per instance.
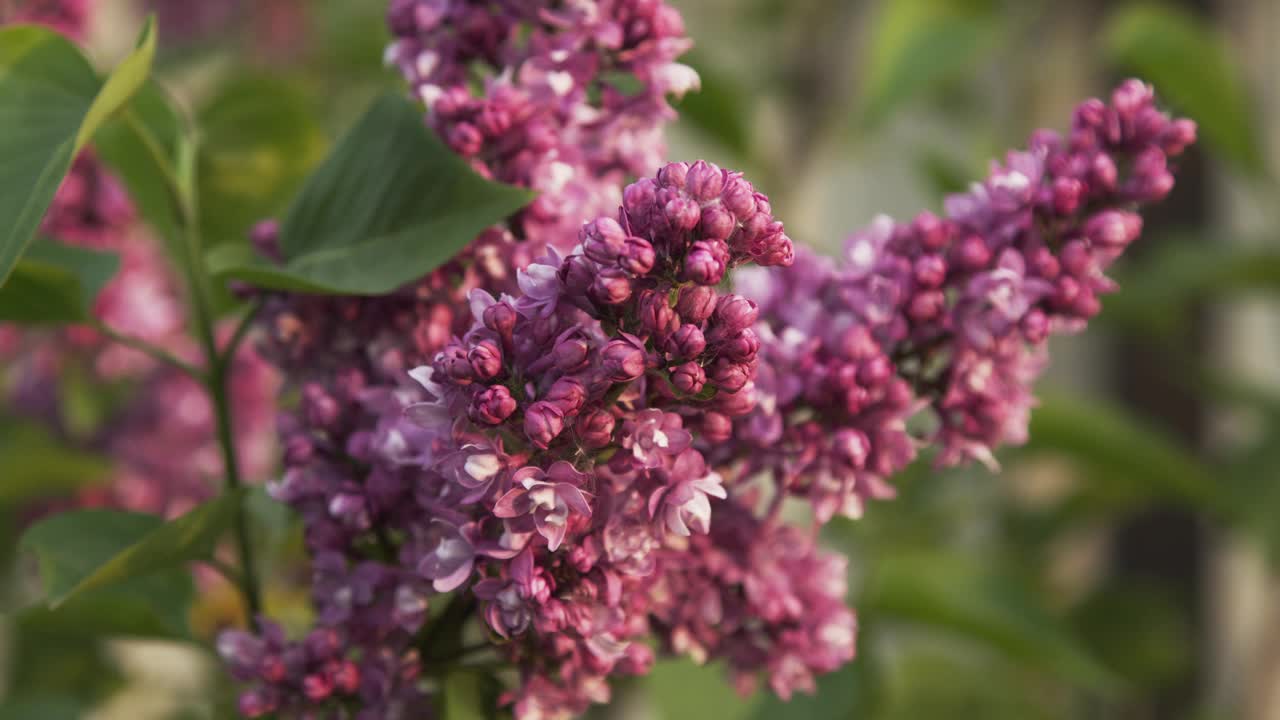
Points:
(156, 353)
(218, 363)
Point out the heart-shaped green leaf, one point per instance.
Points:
(389, 205)
(55, 284)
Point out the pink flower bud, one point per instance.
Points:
(486, 360)
(735, 313)
(704, 265)
(741, 347)
(492, 406)
(568, 394)
(611, 287)
(688, 378)
(688, 342)
(730, 376)
(717, 427)
(637, 256)
(704, 181)
(717, 222)
(624, 360)
(696, 304)
(570, 354)
(595, 429)
(543, 421)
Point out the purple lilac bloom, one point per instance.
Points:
(950, 314)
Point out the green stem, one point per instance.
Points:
(218, 364)
(156, 353)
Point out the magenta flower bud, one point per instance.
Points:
(492, 406)
(682, 213)
(257, 703)
(696, 304)
(1131, 96)
(874, 371)
(741, 347)
(1035, 326)
(717, 222)
(1103, 174)
(735, 313)
(637, 256)
(568, 394)
(1076, 258)
(265, 237)
(716, 427)
(673, 174)
(638, 198)
(465, 139)
(624, 359)
(656, 316)
(501, 318)
(1090, 115)
(602, 240)
(971, 253)
(570, 354)
(1067, 193)
(929, 271)
(730, 376)
(453, 363)
(737, 404)
(1114, 228)
(543, 421)
(932, 232)
(705, 181)
(595, 429)
(927, 305)
(577, 275)
(611, 287)
(689, 378)
(687, 343)
(703, 265)
(857, 343)
(1177, 136)
(739, 197)
(486, 360)
(319, 407)
(852, 446)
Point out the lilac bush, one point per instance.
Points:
(569, 448)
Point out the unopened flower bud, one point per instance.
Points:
(543, 421)
(492, 406)
(688, 378)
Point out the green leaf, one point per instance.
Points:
(141, 545)
(917, 44)
(259, 142)
(51, 103)
(1120, 453)
(1190, 66)
(55, 284)
(720, 109)
(950, 592)
(1139, 631)
(390, 204)
(36, 466)
(1157, 291)
(468, 696)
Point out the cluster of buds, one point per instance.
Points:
(571, 98)
(950, 314)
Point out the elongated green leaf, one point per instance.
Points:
(1190, 67)
(55, 284)
(950, 592)
(1116, 449)
(1158, 291)
(153, 548)
(51, 103)
(36, 466)
(260, 139)
(915, 44)
(390, 204)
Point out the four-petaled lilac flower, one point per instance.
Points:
(684, 503)
(450, 555)
(544, 500)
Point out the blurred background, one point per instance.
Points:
(1123, 565)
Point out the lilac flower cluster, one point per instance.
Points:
(544, 94)
(548, 463)
(949, 314)
(69, 17)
